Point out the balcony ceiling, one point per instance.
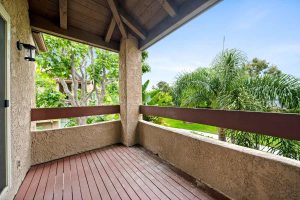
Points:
(102, 23)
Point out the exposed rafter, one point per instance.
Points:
(63, 13)
(39, 41)
(133, 25)
(44, 25)
(185, 13)
(110, 30)
(168, 7)
(117, 17)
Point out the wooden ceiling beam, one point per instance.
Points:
(169, 7)
(44, 25)
(133, 25)
(39, 41)
(110, 30)
(63, 14)
(185, 13)
(117, 17)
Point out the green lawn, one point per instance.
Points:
(189, 126)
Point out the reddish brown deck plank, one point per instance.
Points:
(120, 177)
(153, 167)
(109, 186)
(164, 182)
(26, 183)
(169, 172)
(85, 191)
(59, 182)
(39, 195)
(34, 183)
(67, 179)
(146, 179)
(76, 192)
(90, 178)
(127, 176)
(49, 193)
(99, 181)
(114, 172)
(153, 179)
(134, 176)
(112, 177)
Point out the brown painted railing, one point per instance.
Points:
(59, 113)
(273, 124)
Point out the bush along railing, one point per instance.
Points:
(273, 132)
(59, 113)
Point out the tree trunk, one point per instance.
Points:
(222, 136)
(81, 120)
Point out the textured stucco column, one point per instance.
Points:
(130, 80)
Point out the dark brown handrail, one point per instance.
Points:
(273, 124)
(59, 113)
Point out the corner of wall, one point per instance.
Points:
(22, 94)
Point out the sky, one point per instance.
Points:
(266, 29)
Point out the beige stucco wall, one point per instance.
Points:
(53, 144)
(237, 172)
(22, 94)
(130, 81)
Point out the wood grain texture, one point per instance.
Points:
(41, 24)
(169, 8)
(59, 113)
(273, 124)
(110, 30)
(117, 17)
(89, 21)
(114, 172)
(63, 14)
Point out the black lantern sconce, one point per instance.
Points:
(29, 50)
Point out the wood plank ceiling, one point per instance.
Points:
(102, 23)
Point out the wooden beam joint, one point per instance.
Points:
(63, 14)
(117, 17)
(169, 7)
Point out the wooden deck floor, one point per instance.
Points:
(115, 172)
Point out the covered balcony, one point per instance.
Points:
(128, 158)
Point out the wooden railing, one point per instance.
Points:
(59, 113)
(273, 124)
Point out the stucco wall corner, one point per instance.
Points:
(58, 143)
(237, 172)
(22, 94)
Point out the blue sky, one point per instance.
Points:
(267, 29)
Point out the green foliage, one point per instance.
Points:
(47, 95)
(71, 122)
(188, 126)
(145, 66)
(49, 98)
(61, 55)
(233, 85)
(259, 67)
(157, 96)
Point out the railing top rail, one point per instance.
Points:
(67, 112)
(273, 124)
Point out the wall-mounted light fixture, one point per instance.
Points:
(29, 50)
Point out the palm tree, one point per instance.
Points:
(227, 85)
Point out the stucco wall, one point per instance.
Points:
(237, 172)
(22, 93)
(130, 81)
(54, 144)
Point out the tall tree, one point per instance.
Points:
(228, 85)
(83, 65)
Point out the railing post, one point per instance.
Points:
(130, 80)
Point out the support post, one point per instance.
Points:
(130, 80)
